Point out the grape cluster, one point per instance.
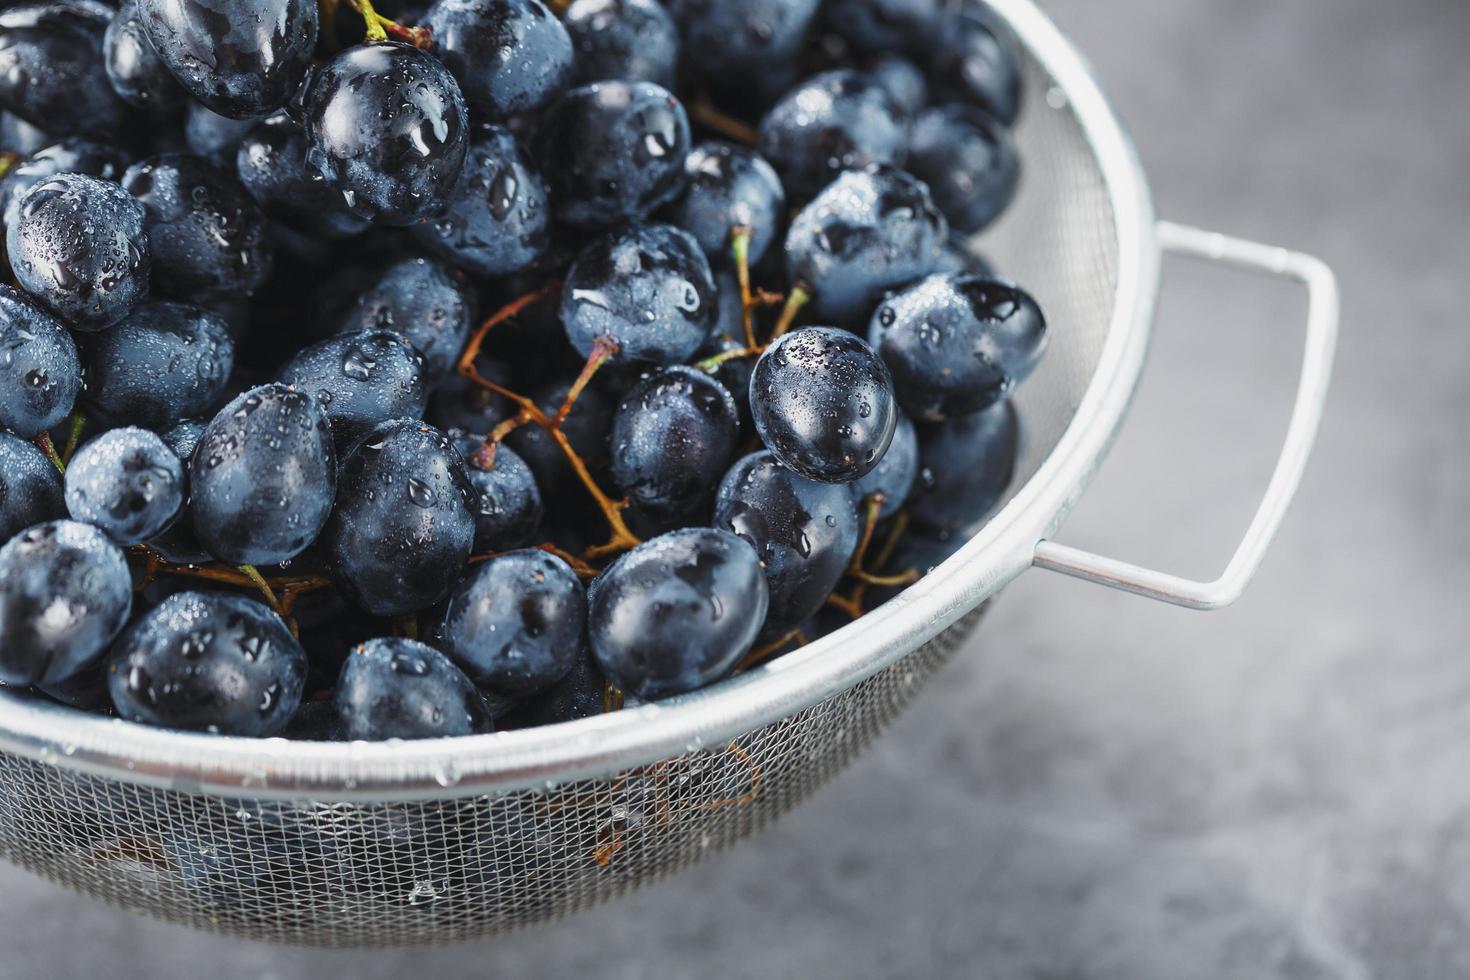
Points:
(412, 370)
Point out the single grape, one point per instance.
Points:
(586, 429)
(209, 661)
(509, 508)
(404, 522)
(969, 162)
(613, 152)
(580, 694)
(270, 161)
(126, 482)
(263, 477)
(138, 75)
(422, 299)
(388, 129)
(510, 56)
(729, 185)
(212, 136)
(516, 623)
(647, 288)
(86, 691)
(838, 120)
(956, 344)
(823, 403)
(51, 68)
(497, 219)
(673, 437)
(741, 36)
(804, 533)
(360, 380)
(316, 721)
(65, 592)
(895, 473)
(882, 25)
(733, 374)
(902, 79)
(164, 362)
(973, 58)
(868, 232)
(71, 155)
(207, 236)
(79, 246)
(178, 543)
(633, 40)
(965, 465)
(678, 612)
(30, 487)
(40, 373)
(400, 688)
(243, 59)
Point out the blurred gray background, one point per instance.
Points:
(1102, 787)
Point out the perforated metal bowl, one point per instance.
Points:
(386, 844)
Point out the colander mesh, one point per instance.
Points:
(405, 873)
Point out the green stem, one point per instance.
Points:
(258, 580)
(73, 436)
(43, 442)
(795, 300)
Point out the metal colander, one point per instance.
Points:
(424, 842)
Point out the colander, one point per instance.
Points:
(425, 842)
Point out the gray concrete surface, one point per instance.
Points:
(1103, 787)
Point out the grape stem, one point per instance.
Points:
(761, 654)
(280, 593)
(852, 604)
(795, 300)
(379, 27)
(703, 112)
(43, 443)
(77, 423)
(8, 159)
(740, 237)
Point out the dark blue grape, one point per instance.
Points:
(263, 477)
(509, 508)
(972, 58)
(869, 232)
(79, 246)
(316, 721)
(729, 185)
(804, 533)
(956, 344)
(51, 70)
(212, 136)
(881, 25)
(733, 374)
(388, 129)
(209, 662)
(516, 623)
(838, 120)
(678, 612)
(460, 403)
(404, 522)
(207, 235)
(743, 37)
(71, 155)
(30, 487)
(178, 543)
(65, 592)
(40, 373)
(163, 363)
(965, 465)
(969, 162)
(241, 58)
(586, 429)
(20, 137)
(86, 691)
(580, 694)
(423, 300)
(497, 219)
(138, 75)
(510, 56)
(673, 437)
(903, 80)
(126, 482)
(895, 473)
(647, 288)
(635, 40)
(401, 688)
(823, 403)
(270, 161)
(360, 380)
(959, 258)
(613, 152)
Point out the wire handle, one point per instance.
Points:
(1306, 414)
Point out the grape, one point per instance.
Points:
(586, 429)
(823, 404)
(65, 592)
(423, 300)
(21, 137)
(580, 694)
(243, 59)
(974, 59)
(969, 162)
(79, 246)
(648, 288)
(516, 623)
(729, 185)
(30, 487)
(40, 373)
(634, 40)
(678, 612)
(880, 25)
(404, 521)
(510, 56)
(509, 508)
(126, 482)
(164, 362)
(742, 36)
(903, 81)
(316, 721)
(178, 543)
(207, 661)
(212, 136)
(956, 344)
(71, 155)
(359, 380)
(868, 232)
(965, 465)
(838, 120)
(51, 70)
(388, 129)
(270, 160)
(263, 477)
(958, 258)
(138, 75)
(400, 688)
(460, 403)
(803, 532)
(896, 471)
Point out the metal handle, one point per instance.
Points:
(1311, 395)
